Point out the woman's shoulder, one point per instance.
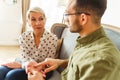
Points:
(49, 34)
(25, 34)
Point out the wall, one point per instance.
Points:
(112, 14)
(10, 25)
(10, 16)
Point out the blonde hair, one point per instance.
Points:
(35, 9)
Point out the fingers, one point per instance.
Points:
(43, 64)
(46, 65)
(30, 76)
(3, 65)
(30, 65)
(46, 68)
(10, 65)
(43, 73)
(28, 70)
(49, 69)
(35, 76)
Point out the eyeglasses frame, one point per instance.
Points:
(76, 13)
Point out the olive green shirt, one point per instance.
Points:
(94, 58)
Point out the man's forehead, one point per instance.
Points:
(70, 5)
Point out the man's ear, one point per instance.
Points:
(83, 19)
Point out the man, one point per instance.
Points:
(95, 57)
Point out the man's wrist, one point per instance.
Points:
(63, 63)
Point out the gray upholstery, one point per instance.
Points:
(58, 29)
(114, 36)
(69, 39)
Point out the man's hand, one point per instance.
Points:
(50, 64)
(12, 65)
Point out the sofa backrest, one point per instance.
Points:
(69, 39)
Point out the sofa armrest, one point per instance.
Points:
(57, 29)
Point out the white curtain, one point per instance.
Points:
(25, 7)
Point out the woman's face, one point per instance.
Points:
(37, 21)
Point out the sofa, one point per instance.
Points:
(67, 41)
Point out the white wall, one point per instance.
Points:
(9, 32)
(10, 16)
(112, 14)
(10, 25)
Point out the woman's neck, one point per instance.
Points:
(38, 34)
(37, 37)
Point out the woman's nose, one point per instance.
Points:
(37, 22)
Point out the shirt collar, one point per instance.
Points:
(44, 33)
(91, 37)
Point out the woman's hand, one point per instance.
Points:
(12, 65)
(35, 75)
(30, 66)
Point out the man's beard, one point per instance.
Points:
(76, 27)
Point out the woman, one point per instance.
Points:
(35, 45)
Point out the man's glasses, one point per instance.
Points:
(76, 13)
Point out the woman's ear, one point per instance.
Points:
(83, 19)
(28, 22)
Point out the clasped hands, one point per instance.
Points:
(38, 70)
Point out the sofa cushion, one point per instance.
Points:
(56, 75)
(69, 41)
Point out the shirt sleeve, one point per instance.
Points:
(24, 51)
(52, 46)
(96, 69)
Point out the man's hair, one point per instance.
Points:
(93, 7)
(35, 9)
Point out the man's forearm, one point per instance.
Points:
(63, 63)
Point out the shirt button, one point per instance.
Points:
(72, 65)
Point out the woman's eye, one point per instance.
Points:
(41, 19)
(33, 19)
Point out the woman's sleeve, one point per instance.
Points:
(52, 47)
(24, 51)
